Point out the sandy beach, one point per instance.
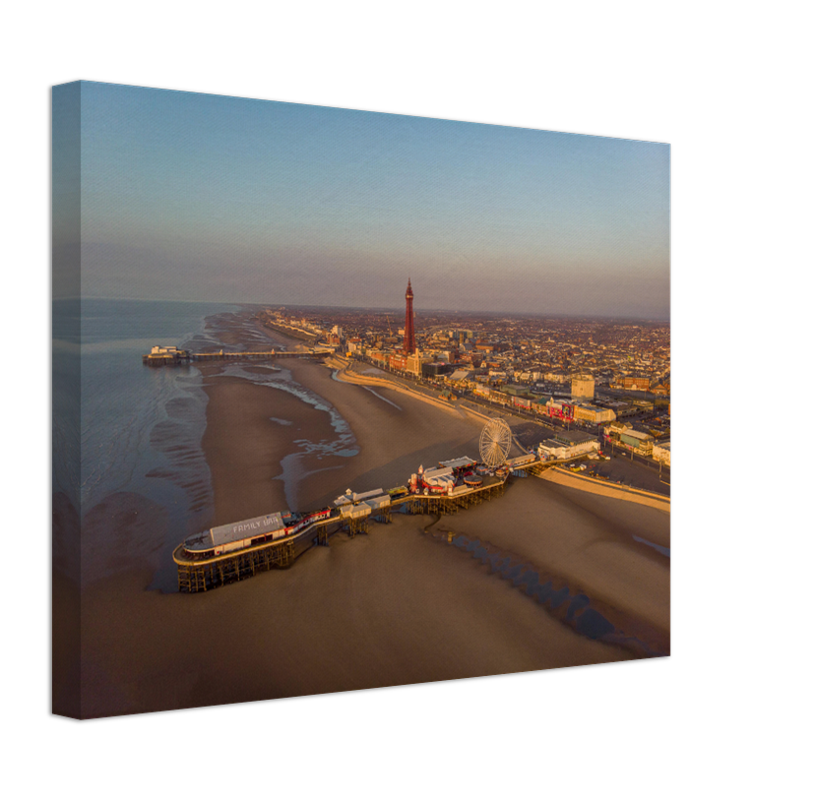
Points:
(396, 606)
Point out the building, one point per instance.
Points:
(662, 452)
(378, 357)
(640, 443)
(434, 369)
(494, 395)
(564, 411)
(615, 429)
(586, 412)
(622, 434)
(414, 363)
(582, 387)
(636, 384)
(555, 377)
(410, 335)
(461, 375)
(567, 445)
(521, 402)
(170, 354)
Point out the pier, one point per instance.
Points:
(161, 356)
(203, 574)
(200, 574)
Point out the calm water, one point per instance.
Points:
(141, 427)
(123, 400)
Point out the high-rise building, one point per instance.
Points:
(410, 337)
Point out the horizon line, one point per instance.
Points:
(541, 314)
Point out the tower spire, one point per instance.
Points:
(410, 337)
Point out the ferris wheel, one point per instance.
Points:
(496, 439)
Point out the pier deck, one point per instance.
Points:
(186, 356)
(201, 574)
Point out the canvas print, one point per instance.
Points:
(345, 400)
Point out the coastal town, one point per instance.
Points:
(596, 387)
(586, 396)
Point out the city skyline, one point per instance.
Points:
(203, 197)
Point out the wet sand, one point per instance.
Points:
(247, 439)
(395, 435)
(396, 606)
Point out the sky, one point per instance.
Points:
(198, 197)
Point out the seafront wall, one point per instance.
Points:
(457, 408)
(385, 383)
(566, 478)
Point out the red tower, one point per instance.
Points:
(410, 338)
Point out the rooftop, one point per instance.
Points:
(573, 437)
(457, 463)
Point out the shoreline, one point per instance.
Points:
(251, 429)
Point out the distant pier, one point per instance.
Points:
(161, 356)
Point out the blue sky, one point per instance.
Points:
(201, 197)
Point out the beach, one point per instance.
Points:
(399, 605)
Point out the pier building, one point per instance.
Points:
(160, 355)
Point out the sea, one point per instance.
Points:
(143, 484)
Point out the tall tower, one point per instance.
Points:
(410, 338)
